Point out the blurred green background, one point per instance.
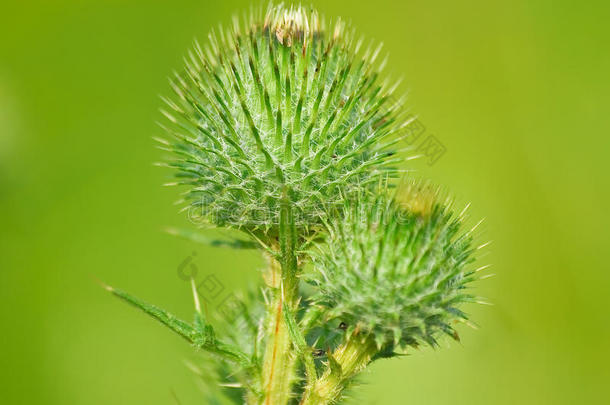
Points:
(516, 91)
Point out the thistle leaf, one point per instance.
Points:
(180, 327)
(298, 340)
(201, 335)
(206, 240)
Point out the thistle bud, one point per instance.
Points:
(397, 275)
(279, 111)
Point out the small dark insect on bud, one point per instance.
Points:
(318, 352)
(343, 326)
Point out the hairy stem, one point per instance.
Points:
(279, 361)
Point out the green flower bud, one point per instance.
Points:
(396, 274)
(280, 111)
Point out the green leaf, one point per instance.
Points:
(179, 326)
(206, 240)
(303, 350)
(335, 367)
(200, 334)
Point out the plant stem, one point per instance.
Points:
(346, 361)
(278, 369)
(279, 361)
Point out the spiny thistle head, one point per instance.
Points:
(280, 110)
(399, 275)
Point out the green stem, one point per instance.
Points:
(347, 360)
(279, 361)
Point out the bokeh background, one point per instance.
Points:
(516, 91)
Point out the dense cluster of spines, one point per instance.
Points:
(396, 274)
(288, 109)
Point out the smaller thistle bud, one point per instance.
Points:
(397, 275)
